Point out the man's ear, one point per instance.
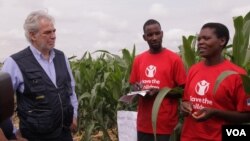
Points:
(32, 35)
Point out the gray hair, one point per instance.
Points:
(31, 23)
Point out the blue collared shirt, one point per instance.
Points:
(12, 68)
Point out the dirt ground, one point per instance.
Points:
(76, 136)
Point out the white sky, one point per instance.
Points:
(90, 25)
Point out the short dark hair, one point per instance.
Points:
(150, 22)
(221, 30)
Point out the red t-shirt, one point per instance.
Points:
(199, 90)
(164, 69)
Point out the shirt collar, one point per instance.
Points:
(39, 56)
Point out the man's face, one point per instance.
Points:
(45, 38)
(153, 35)
(209, 45)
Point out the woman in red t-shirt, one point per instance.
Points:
(206, 111)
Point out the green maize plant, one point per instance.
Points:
(188, 51)
(1, 64)
(240, 51)
(100, 82)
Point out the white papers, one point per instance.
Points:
(126, 121)
(142, 93)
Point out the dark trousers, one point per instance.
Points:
(150, 137)
(64, 136)
(7, 128)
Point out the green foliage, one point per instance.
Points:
(155, 109)
(100, 83)
(221, 77)
(156, 106)
(225, 74)
(189, 51)
(246, 83)
(241, 51)
(1, 64)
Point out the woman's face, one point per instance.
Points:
(209, 45)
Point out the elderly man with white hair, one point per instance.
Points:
(44, 85)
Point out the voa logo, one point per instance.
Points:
(236, 132)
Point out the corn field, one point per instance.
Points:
(101, 81)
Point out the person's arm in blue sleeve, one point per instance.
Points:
(73, 97)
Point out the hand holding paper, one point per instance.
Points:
(128, 98)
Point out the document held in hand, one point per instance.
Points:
(128, 98)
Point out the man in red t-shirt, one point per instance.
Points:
(206, 111)
(154, 69)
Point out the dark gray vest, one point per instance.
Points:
(43, 108)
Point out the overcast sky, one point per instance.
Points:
(90, 25)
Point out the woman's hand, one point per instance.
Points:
(186, 108)
(203, 114)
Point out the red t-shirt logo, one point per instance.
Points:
(202, 87)
(150, 71)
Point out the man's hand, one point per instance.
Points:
(176, 92)
(137, 87)
(2, 136)
(73, 126)
(19, 136)
(152, 92)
